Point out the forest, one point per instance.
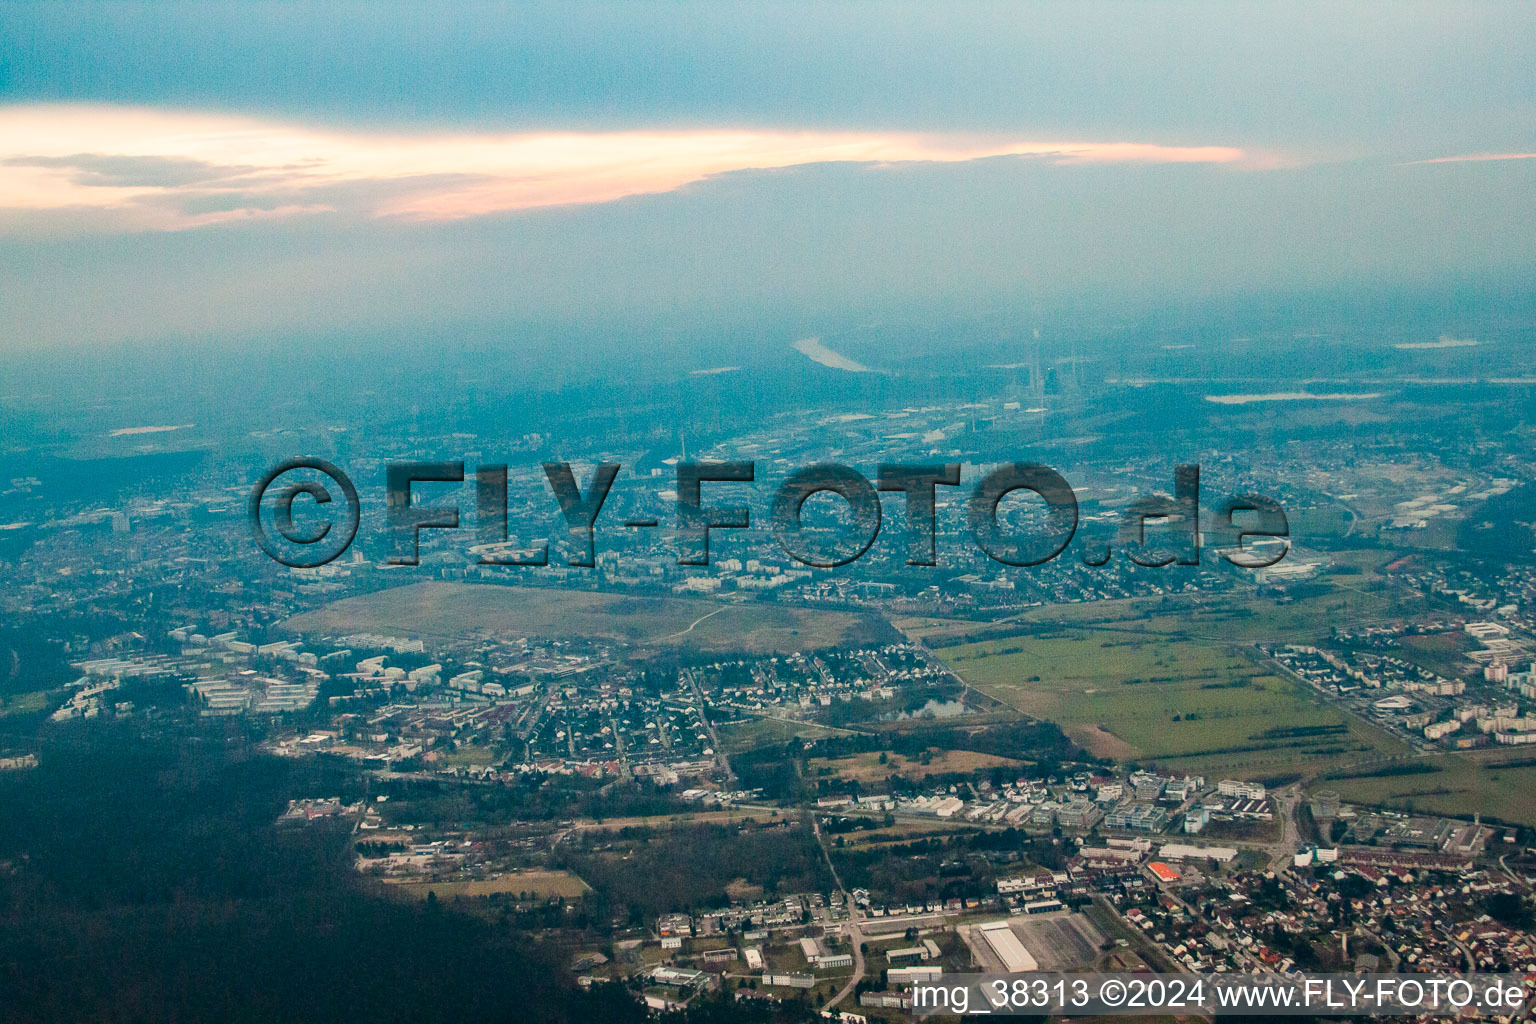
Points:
(143, 879)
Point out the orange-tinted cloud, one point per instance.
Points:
(1474, 158)
(154, 169)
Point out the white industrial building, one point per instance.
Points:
(1006, 945)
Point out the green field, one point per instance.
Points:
(1462, 785)
(1115, 674)
(473, 757)
(762, 732)
(484, 611)
(1193, 704)
(1355, 597)
(23, 703)
(541, 884)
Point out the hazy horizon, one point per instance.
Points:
(164, 178)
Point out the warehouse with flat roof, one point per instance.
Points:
(1007, 947)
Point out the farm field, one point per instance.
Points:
(1193, 705)
(472, 611)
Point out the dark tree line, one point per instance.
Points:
(144, 880)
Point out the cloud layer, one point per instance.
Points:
(238, 169)
(141, 168)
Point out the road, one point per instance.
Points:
(1281, 852)
(1392, 956)
(714, 737)
(618, 748)
(855, 935)
(1513, 877)
(1465, 952)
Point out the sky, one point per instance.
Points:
(208, 172)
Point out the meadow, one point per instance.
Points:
(1460, 784)
(1194, 705)
(473, 611)
(541, 884)
(866, 768)
(766, 732)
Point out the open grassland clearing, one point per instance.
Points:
(485, 611)
(1236, 619)
(995, 713)
(540, 884)
(1451, 784)
(765, 732)
(1347, 591)
(866, 768)
(728, 816)
(23, 703)
(1440, 653)
(1195, 705)
(905, 830)
(471, 757)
